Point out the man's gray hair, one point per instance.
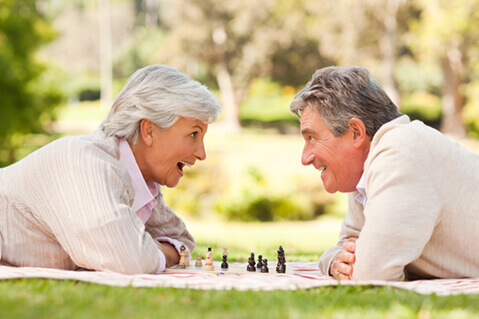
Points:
(161, 94)
(341, 93)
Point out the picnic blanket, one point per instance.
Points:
(302, 275)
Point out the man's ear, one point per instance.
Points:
(146, 131)
(358, 130)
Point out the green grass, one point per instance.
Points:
(68, 299)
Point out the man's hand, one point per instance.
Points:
(171, 255)
(341, 267)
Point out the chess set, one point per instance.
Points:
(259, 267)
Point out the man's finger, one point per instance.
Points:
(350, 246)
(343, 277)
(346, 257)
(345, 269)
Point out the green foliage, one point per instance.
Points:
(424, 107)
(139, 53)
(27, 88)
(267, 106)
(197, 191)
(471, 110)
(38, 298)
(253, 199)
(79, 82)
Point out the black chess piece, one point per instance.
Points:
(264, 267)
(260, 262)
(251, 263)
(281, 265)
(224, 264)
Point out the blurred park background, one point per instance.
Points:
(63, 61)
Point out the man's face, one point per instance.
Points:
(339, 159)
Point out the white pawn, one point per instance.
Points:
(184, 257)
(209, 260)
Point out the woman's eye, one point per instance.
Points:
(194, 134)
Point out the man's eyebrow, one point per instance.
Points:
(306, 131)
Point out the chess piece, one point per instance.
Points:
(264, 267)
(209, 260)
(281, 266)
(224, 264)
(198, 263)
(251, 263)
(260, 263)
(184, 257)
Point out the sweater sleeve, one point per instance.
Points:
(401, 212)
(350, 227)
(86, 203)
(165, 223)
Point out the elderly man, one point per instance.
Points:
(413, 209)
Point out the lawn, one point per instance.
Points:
(68, 299)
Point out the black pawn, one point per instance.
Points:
(260, 262)
(224, 264)
(264, 267)
(251, 263)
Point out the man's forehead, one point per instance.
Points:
(310, 119)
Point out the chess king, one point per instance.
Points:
(413, 199)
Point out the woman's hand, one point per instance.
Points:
(171, 255)
(341, 267)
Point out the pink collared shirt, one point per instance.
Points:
(145, 194)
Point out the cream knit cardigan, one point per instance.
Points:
(421, 218)
(68, 205)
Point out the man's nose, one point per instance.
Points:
(307, 157)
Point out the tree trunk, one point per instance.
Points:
(388, 48)
(228, 101)
(105, 53)
(452, 100)
(151, 8)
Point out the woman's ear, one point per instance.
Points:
(358, 130)
(146, 131)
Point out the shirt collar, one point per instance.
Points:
(144, 192)
(361, 188)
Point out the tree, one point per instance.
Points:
(367, 32)
(228, 40)
(26, 91)
(447, 33)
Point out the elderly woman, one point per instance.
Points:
(94, 201)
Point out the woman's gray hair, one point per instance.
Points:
(161, 94)
(341, 93)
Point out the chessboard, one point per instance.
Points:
(234, 269)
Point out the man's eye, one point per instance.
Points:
(194, 134)
(310, 138)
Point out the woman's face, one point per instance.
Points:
(165, 153)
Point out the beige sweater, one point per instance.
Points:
(421, 218)
(68, 205)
